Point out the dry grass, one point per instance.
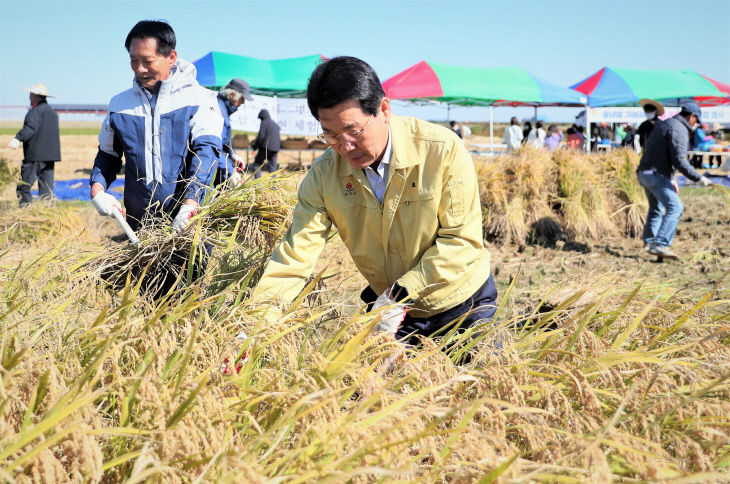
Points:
(253, 215)
(621, 380)
(38, 223)
(540, 196)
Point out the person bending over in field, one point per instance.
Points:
(403, 195)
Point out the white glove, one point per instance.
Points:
(238, 163)
(235, 179)
(14, 144)
(392, 314)
(182, 219)
(704, 181)
(105, 204)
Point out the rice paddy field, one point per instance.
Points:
(602, 366)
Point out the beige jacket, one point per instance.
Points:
(426, 235)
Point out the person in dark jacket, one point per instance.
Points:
(41, 146)
(666, 152)
(268, 144)
(652, 111)
(526, 131)
(230, 98)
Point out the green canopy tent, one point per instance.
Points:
(277, 77)
(472, 86)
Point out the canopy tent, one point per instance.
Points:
(474, 86)
(615, 87)
(277, 77)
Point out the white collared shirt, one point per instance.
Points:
(379, 178)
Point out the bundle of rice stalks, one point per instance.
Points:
(8, 173)
(253, 215)
(541, 196)
(515, 192)
(256, 212)
(41, 220)
(630, 197)
(582, 196)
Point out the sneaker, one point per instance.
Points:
(663, 252)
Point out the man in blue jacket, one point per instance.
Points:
(666, 152)
(230, 98)
(168, 128)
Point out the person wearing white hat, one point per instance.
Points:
(652, 110)
(41, 146)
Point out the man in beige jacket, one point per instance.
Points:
(403, 195)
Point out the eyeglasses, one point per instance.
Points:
(354, 134)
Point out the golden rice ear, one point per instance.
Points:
(602, 378)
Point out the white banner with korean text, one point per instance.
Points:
(631, 115)
(292, 115)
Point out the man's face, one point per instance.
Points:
(149, 66)
(236, 103)
(363, 150)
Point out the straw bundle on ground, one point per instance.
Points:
(541, 196)
(40, 220)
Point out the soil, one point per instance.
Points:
(702, 241)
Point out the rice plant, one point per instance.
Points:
(621, 381)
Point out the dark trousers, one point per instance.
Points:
(478, 308)
(30, 171)
(261, 156)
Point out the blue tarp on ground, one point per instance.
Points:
(78, 189)
(723, 180)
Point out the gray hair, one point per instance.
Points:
(227, 91)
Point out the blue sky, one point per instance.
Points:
(76, 47)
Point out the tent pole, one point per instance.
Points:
(276, 112)
(491, 131)
(588, 131)
(448, 112)
(535, 118)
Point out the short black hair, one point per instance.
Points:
(153, 29)
(343, 79)
(649, 108)
(514, 120)
(538, 125)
